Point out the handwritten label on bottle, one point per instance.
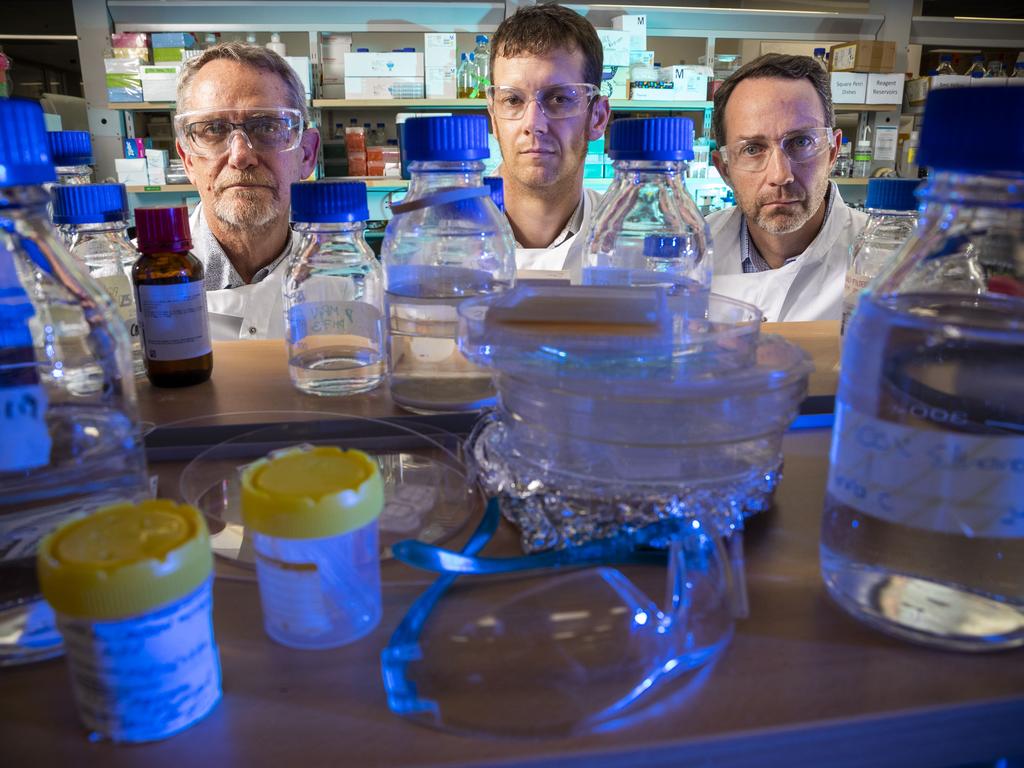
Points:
(949, 482)
(173, 321)
(148, 677)
(319, 318)
(26, 439)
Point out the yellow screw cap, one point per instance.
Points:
(311, 492)
(125, 560)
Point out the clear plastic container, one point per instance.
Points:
(482, 60)
(893, 217)
(446, 243)
(333, 293)
(71, 152)
(922, 536)
(313, 513)
(648, 230)
(71, 440)
(94, 219)
(132, 588)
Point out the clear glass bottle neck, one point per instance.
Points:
(644, 170)
(28, 200)
(332, 237)
(119, 227)
(950, 188)
(433, 174)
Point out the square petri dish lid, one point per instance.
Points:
(428, 496)
(644, 335)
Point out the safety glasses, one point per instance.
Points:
(800, 146)
(555, 101)
(208, 133)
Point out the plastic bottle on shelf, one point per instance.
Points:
(95, 217)
(995, 69)
(482, 60)
(648, 230)
(333, 292)
(71, 152)
(844, 163)
(465, 77)
(862, 154)
(922, 535)
(276, 45)
(908, 158)
(250, 38)
(945, 65)
(380, 136)
(446, 242)
(977, 68)
(70, 439)
(819, 56)
(171, 299)
(892, 210)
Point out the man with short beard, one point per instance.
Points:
(241, 131)
(784, 247)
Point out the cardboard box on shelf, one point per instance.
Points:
(864, 56)
(636, 26)
(129, 40)
(440, 83)
(379, 64)
(173, 39)
(439, 50)
(333, 48)
(384, 88)
(849, 87)
(141, 54)
(689, 82)
(651, 91)
(156, 165)
(159, 82)
(885, 89)
(124, 80)
(301, 66)
(167, 55)
(131, 170)
(618, 86)
(134, 148)
(616, 47)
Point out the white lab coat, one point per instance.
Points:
(808, 288)
(564, 261)
(254, 311)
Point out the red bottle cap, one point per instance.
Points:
(162, 229)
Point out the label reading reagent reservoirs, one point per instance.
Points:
(173, 321)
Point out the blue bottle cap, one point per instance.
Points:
(362, 50)
(662, 246)
(946, 57)
(944, 146)
(24, 149)
(892, 194)
(497, 186)
(453, 138)
(651, 138)
(481, 38)
(979, 57)
(408, 50)
(819, 51)
(70, 147)
(977, 74)
(89, 203)
(324, 202)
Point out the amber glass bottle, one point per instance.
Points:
(171, 300)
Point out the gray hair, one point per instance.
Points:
(778, 65)
(252, 55)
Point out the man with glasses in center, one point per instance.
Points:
(784, 246)
(545, 106)
(241, 131)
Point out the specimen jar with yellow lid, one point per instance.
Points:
(313, 513)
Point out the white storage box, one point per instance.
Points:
(636, 26)
(378, 64)
(384, 88)
(689, 82)
(439, 50)
(301, 66)
(131, 171)
(616, 47)
(439, 83)
(849, 87)
(159, 82)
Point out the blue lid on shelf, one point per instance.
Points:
(663, 246)
(892, 194)
(946, 57)
(24, 148)
(944, 145)
(481, 38)
(70, 147)
(651, 138)
(819, 51)
(324, 202)
(497, 187)
(452, 138)
(89, 203)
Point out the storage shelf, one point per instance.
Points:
(966, 32)
(141, 106)
(849, 182)
(402, 103)
(868, 107)
(161, 188)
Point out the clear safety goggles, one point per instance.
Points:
(555, 101)
(208, 133)
(800, 146)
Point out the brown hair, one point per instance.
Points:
(539, 29)
(778, 65)
(245, 53)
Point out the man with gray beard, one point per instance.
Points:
(241, 130)
(784, 247)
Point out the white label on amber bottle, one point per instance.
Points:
(950, 482)
(173, 321)
(25, 442)
(148, 677)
